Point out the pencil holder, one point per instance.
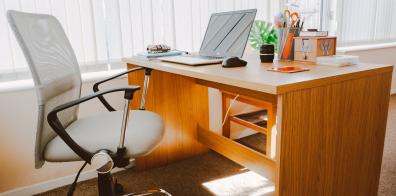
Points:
(286, 50)
(267, 53)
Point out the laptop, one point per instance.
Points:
(226, 36)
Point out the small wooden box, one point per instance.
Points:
(309, 48)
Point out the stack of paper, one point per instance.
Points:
(337, 60)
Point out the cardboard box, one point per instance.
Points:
(308, 48)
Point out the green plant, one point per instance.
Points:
(262, 33)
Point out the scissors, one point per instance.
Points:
(290, 17)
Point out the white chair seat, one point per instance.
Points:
(102, 131)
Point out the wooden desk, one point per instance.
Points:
(330, 124)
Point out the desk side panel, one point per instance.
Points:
(182, 104)
(332, 137)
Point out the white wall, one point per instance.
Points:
(18, 117)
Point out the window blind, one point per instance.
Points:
(83, 21)
(366, 21)
(107, 30)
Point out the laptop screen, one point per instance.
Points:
(227, 33)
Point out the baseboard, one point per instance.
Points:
(53, 184)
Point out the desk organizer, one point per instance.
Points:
(309, 48)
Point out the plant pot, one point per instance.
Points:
(267, 53)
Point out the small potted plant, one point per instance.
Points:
(263, 37)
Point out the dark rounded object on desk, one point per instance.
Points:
(233, 62)
(266, 58)
(267, 49)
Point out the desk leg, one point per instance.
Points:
(225, 101)
(271, 131)
(332, 137)
(183, 105)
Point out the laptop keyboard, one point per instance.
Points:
(207, 57)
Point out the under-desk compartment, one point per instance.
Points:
(256, 120)
(262, 121)
(256, 142)
(238, 152)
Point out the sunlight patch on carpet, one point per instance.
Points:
(247, 183)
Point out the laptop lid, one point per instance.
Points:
(227, 33)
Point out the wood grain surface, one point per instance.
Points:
(332, 138)
(182, 104)
(255, 76)
(239, 153)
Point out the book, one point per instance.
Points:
(154, 55)
(313, 33)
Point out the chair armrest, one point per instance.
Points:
(57, 126)
(96, 86)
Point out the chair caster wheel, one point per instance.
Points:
(118, 188)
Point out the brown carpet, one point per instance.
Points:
(181, 178)
(387, 186)
(193, 176)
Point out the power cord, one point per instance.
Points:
(228, 110)
(74, 184)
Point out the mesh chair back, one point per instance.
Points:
(54, 69)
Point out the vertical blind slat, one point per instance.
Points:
(75, 28)
(136, 17)
(43, 6)
(28, 5)
(113, 27)
(5, 52)
(147, 22)
(87, 28)
(100, 30)
(196, 25)
(17, 57)
(168, 19)
(126, 28)
(157, 14)
(183, 25)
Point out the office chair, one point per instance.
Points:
(105, 140)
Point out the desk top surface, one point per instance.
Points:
(255, 76)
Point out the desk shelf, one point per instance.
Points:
(261, 121)
(256, 120)
(255, 142)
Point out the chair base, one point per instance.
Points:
(108, 187)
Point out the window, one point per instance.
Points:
(355, 22)
(83, 21)
(366, 21)
(103, 31)
(310, 11)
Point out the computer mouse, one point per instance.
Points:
(233, 62)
